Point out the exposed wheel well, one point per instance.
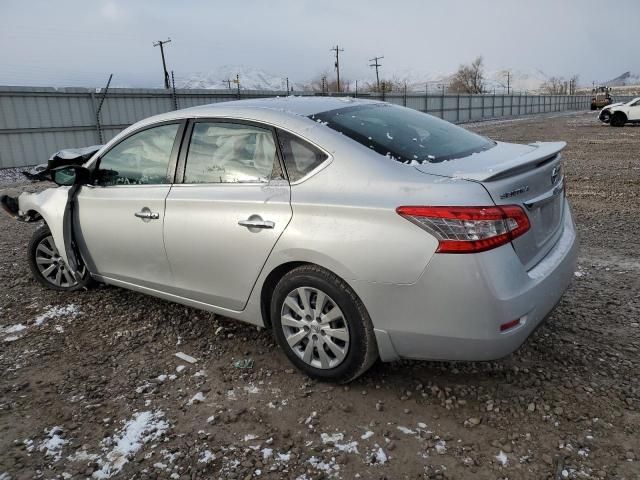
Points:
(33, 216)
(270, 284)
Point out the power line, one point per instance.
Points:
(376, 64)
(160, 43)
(337, 49)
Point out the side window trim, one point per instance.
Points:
(188, 132)
(173, 159)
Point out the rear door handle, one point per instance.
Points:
(249, 223)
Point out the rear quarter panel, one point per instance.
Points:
(344, 217)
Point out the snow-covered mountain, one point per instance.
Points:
(417, 80)
(250, 79)
(627, 78)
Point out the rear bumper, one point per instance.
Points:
(455, 310)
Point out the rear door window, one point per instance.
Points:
(222, 152)
(300, 157)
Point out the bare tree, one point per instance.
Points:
(323, 82)
(553, 86)
(559, 86)
(469, 78)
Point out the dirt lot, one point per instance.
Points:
(91, 386)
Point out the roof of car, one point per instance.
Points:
(298, 105)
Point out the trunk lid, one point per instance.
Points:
(526, 175)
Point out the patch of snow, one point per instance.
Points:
(52, 446)
(161, 378)
(320, 464)
(12, 338)
(180, 368)
(367, 434)
(250, 436)
(82, 456)
(502, 458)
(284, 457)
(335, 439)
(28, 444)
(267, 453)
(18, 327)
(57, 312)
(206, 457)
(377, 456)
(142, 428)
(441, 447)
(197, 398)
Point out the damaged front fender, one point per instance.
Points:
(53, 205)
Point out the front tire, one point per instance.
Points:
(322, 325)
(48, 268)
(618, 120)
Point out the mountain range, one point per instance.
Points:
(527, 80)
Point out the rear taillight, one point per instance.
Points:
(469, 229)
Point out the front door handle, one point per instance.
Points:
(147, 214)
(255, 223)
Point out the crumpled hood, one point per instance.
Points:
(612, 105)
(495, 162)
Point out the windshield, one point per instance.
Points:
(405, 134)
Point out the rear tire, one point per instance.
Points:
(322, 325)
(618, 120)
(48, 268)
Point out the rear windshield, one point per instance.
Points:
(404, 134)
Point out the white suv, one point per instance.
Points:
(617, 114)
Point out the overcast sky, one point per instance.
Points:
(78, 43)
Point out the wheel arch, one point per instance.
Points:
(279, 271)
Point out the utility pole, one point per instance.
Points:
(337, 49)
(376, 64)
(237, 82)
(508, 81)
(160, 43)
(287, 86)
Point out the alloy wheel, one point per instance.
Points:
(51, 265)
(315, 328)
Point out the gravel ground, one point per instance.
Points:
(91, 385)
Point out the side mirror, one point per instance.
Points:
(70, 175)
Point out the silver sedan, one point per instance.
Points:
(355, 229)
